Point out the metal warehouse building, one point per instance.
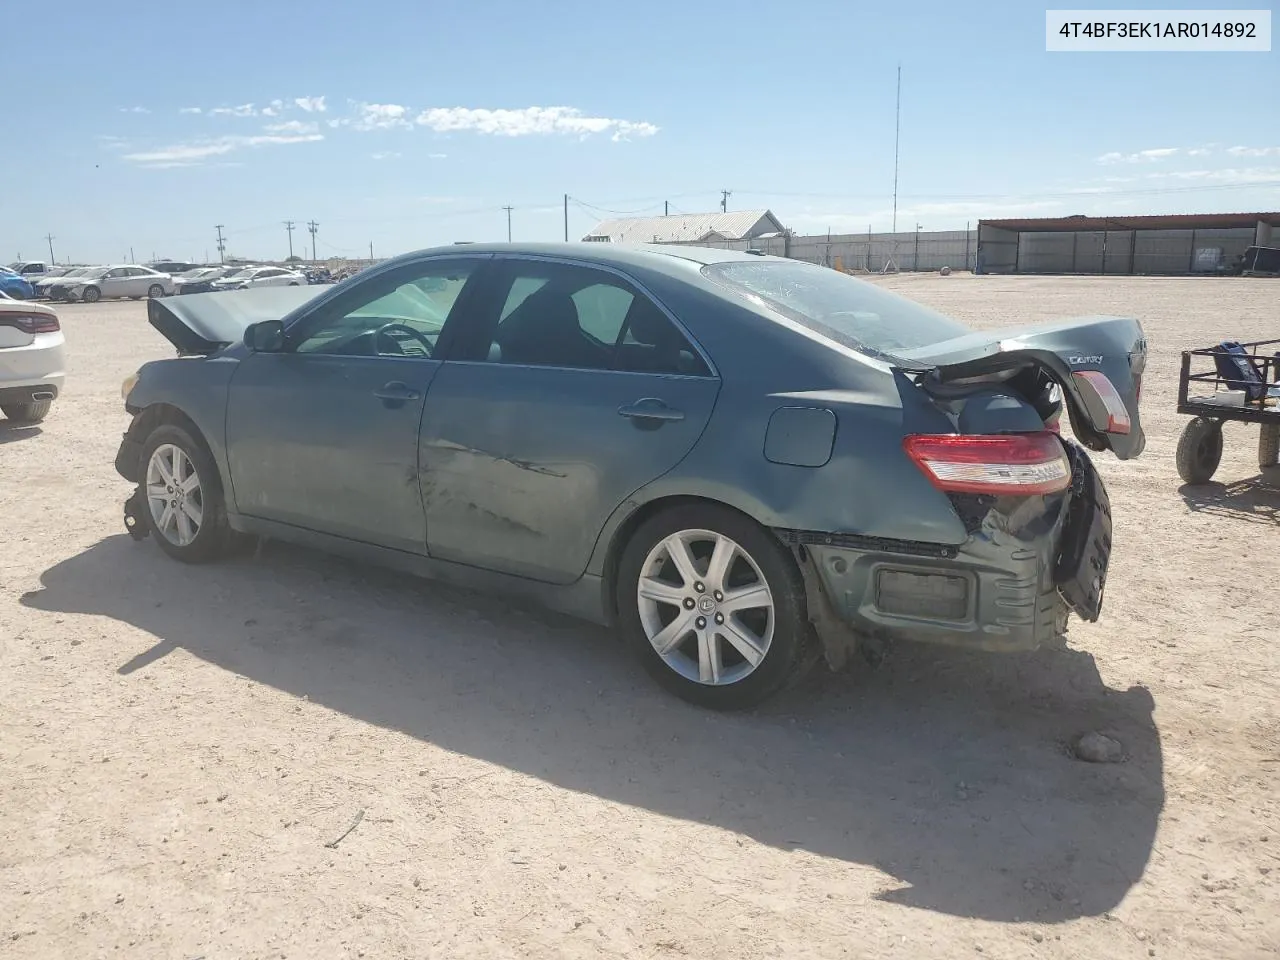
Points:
(1180, 244)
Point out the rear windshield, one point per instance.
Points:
(849, 311)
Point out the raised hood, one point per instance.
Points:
(1098, 362)
(203, 323)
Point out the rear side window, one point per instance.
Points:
(849, 311)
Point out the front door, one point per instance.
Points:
(324, 433)
(566, 391)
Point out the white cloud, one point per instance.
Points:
(193, 110)
(380, 116)
(134, 110)
(1142, 156)
(530, 121)
(112, 143)
(1254, 151)
(311, 104)
(244, 110)
(390, 155)
(292, 126)
(436, 156)
(197, 151)
(1228, 175)
(1199, 152)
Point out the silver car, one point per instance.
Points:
(119, 281)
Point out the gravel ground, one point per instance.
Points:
(183, 747)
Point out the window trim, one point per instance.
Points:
(639, 287)
(294, 328)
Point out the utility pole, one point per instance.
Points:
(370, 249)
(131, 260)
(508, 209)
(49, 237)
(724, 200)
(915, 260)
(222, 245)
(566, 218)
(666, 208)
(288, 225)
(312, 227)
(897, 126)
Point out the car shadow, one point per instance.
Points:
(1255, 499)
(13, 432)
(947, 770)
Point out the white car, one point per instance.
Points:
(118, 281)
(261, 277)
(32, 366)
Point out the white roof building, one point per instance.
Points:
(687, 227)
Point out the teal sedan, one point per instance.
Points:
(742, 464)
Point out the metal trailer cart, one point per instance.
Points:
(1243, 385)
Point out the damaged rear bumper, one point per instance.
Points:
(1026, 561)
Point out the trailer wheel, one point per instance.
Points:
(1269, 445)
(1200, 450)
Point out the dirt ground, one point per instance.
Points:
(183, 747)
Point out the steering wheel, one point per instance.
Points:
(387, 328)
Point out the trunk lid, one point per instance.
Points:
(1097, 361)
(203, 323)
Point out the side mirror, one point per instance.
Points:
(267, 336)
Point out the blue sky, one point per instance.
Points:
(408, 124)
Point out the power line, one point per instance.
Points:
(288, 225)
(50, 238)
(312, 227)
(724, 200)
(222, 245)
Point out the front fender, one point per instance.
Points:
(194, 388)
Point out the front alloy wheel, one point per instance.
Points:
(174, 495)
(183, 494)
(714, 606)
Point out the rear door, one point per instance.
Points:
(567, 390)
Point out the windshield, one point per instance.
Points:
(849, 311)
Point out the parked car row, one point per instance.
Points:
(89, 284)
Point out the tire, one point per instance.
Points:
(1200, 450)
(91, 295)
(1269, 446)
(695, 655)
(155, 292)
(213, 537)
(32, 412)
(294, 283)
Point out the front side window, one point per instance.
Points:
(397, 315)
(562, 315)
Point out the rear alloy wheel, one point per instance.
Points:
(714, 606)
(91, 295)
(1199, 450)
(32, 412)
(155, 291)
(183, 494)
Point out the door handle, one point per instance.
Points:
(396, 390)
(650, 408)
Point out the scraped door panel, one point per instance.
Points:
(523, 465)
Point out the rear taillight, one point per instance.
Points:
(30, 322)
(1106, 392)
(1013, 464)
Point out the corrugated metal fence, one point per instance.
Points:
(871, 252)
